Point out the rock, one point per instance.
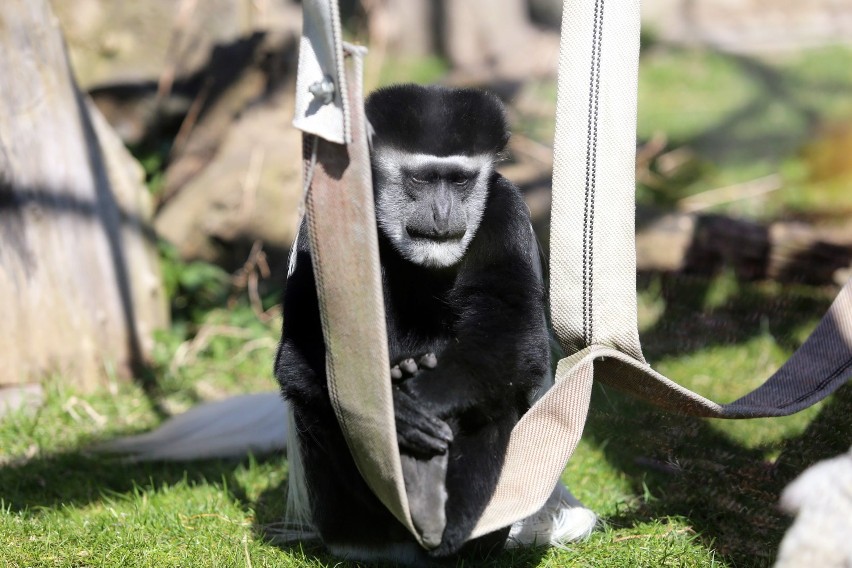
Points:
(20, 398)
(113, 42)
(237, 178)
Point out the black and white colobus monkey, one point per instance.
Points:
(461, 280)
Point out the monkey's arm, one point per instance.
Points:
(500, 347)
(300, 361)
(300, 368)
(498, 353)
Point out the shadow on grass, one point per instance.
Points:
(728, 493)
(741, 312)
(689, 466)
(76, 479)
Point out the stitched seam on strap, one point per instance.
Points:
(591, 164)
(823, 384)
(331, 374)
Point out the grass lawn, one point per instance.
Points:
(672, 491)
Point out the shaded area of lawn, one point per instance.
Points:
(722, 479)
(726, 491)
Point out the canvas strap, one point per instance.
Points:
(593, 268)
(342, 232)
(593, 272)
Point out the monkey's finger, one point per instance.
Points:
(428, 361)
(410, 415)
(418, 443)
(408, 366)
(396, 373)
(430, 424)
(423, 433)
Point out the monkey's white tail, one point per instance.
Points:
(229, 428)
(562, 520)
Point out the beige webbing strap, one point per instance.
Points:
(593, 267)
(344, 250)
(593, 294)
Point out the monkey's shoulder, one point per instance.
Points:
(505, 224)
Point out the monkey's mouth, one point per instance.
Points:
(448, 236)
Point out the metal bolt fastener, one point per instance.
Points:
(323, 90)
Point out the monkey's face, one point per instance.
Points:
(429, 207)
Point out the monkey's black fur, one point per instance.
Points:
(438, 120)
(483, 317)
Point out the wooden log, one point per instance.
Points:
(79, 273)
(784, 251)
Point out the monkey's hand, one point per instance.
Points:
(407, 368)
(419, 432)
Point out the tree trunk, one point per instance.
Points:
(79, 275)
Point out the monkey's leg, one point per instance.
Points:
(474, 464)
(343, 508)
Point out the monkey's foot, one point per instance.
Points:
(428, 361)
(427, 496)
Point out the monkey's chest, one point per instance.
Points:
(418, 327)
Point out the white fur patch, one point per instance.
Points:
(297, 514)
(391, 160)
(561, 520)
(434, 254)
(821, 499)
(291, 260)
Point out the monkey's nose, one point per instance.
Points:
(441, 212)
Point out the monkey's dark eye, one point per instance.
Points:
(423, 177)
(459, 179)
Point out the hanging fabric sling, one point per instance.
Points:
(592, 265)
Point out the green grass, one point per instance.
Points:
(672, 491)
(745, 118)
(739, 118)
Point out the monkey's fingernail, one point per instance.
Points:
(446, 433)
(396, 373)
(429, 361)
(408, 366)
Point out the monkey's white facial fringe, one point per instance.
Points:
(432, 254)
(392, 204)
(391, 161)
